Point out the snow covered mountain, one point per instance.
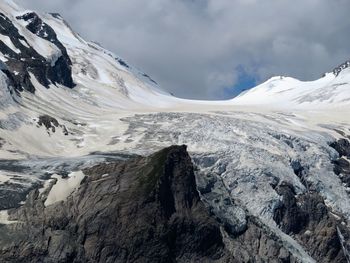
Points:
(272, 165)
(331, 91)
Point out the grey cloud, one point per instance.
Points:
(193, 48)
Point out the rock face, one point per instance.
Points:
(60, 69)
(142, 210)
(25, 59)
(342, 164)
(342, 146)
(307, 218)
(51, 124)
(341, 67)
(148, 209)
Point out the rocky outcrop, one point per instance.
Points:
(142, 210)
(342, 146)
(246, 237)
(148, 209)
(341, 67)
(342, 164)
(322, 232)
(60, 71)
(139, 210)
(309, 220)
(258, 244)
(51, 124)
(19, 65)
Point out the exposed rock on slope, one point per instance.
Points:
(148, 209)
(51, 123)
(308, 219)
(50, 64)
(142, 210)
(341, 67)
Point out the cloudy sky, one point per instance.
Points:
(212, 49)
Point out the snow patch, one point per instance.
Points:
(8, 42)
(24, 43)
(45, 48)
(64, 187)
(4, 218)
(4, 178)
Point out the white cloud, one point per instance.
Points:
(193, 47)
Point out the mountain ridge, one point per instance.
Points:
(144, 92)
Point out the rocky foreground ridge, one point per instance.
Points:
(148, 209)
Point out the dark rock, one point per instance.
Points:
(147, 76)
(122, 63)
(341, 165)
(61, 72)
(47, 121)
(143, 210)
(342, 169)
(311, 223)
(19, 65)
(257, 244)
(51, 123)
(342, 146)
(148, 209)
(56, 15)
(12, 194)
(341, 67)
(289, 215)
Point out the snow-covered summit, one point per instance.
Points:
(330, 91)
(341, 67)
(41, 51)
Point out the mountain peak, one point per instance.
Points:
(341, 67)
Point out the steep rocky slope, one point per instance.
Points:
(148, 209)
(142, 210)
